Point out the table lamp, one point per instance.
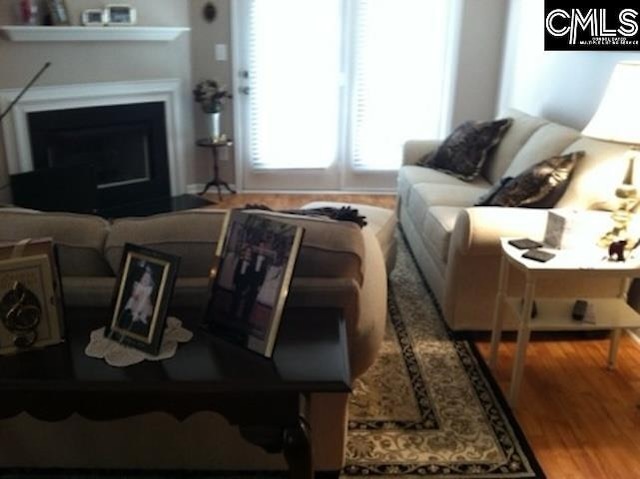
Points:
(616, 119)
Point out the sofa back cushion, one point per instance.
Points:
(79, 238)
(597, 174)
(191, 235)
(547, 141)
(329, 249)
(519, 132)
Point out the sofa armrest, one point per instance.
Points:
(413, 150)
(478, 230)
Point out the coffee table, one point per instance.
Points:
(266, 399)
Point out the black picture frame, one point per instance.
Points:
(58, 12)
(250, 279)
(143, 291)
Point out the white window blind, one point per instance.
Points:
(294, 65)
(394, 58)
(399, 59)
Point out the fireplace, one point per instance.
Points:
(126, 145)
(126, 138)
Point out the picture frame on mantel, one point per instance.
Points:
(58, 12)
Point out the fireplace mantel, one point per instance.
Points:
(21, 33)
(15, 128)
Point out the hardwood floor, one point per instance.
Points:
(581, 419)
(291, 201)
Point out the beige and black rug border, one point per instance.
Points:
(488, 443)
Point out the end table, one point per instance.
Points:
(554, 314)
(215, 146)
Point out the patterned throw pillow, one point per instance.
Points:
(540, 186)
(464, 152)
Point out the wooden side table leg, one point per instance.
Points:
(297, 445)
(613, 347)
(524, 333)
(297, 451)
(496, 331)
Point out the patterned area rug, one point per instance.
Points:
(428, 406)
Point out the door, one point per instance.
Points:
(288, 93)
(327, 91)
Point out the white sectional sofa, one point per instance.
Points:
(457, 244)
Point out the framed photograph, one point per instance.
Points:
(250, 281)
(58, 11)
(29, 304)
(141, 297)
(120, 15)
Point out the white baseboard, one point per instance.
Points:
(195, 188)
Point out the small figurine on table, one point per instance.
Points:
(616, 250)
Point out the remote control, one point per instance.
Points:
(538, 255)
(525, 243)
(579, 310)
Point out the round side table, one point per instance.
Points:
(215, 147)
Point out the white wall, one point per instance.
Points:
(475, 83)
(204, 37)
(561, 86)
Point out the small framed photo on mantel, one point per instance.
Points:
(58, 12)
(141, 298)
(250, 281)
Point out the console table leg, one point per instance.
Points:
(297, 451)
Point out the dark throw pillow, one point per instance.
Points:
(463, 153)
(540, 186)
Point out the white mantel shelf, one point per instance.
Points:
(21, 33)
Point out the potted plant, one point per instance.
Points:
(211, 97)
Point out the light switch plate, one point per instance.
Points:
(221, 52)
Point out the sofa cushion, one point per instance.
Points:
(539, 186)
(191, 235)
(408, 176)
(547, 141)
(381, 221)
(329, 248)
(79, 238)
(519, 132)
(438, 225)
(424, 196)
(597, 175)
(464, 152)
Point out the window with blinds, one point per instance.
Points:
(399, 57)
(343, 80)
(294, 64)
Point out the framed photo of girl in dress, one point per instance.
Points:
(141, 298)
(250, 282)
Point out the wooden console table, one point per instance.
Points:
(264, 398)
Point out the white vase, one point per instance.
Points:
(214, 126)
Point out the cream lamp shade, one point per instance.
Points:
(618, 116)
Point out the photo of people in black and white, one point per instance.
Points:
(250, 279)
(139, 297)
